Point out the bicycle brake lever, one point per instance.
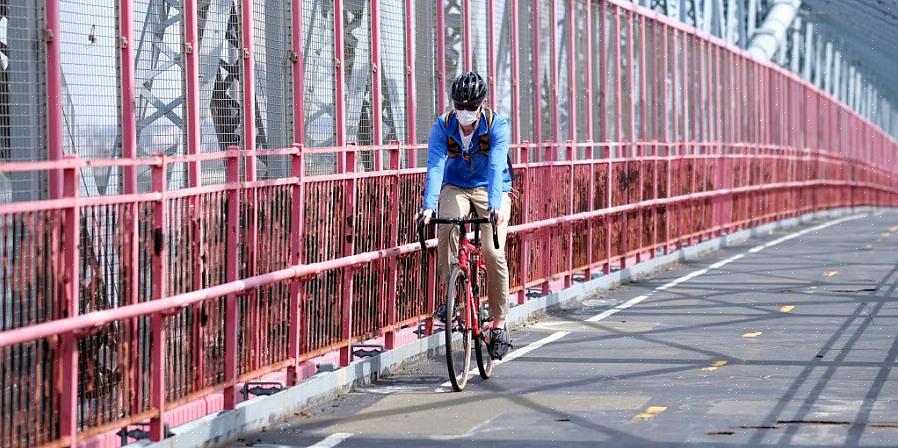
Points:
(421, 238)
(495, 226)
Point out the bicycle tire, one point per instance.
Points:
(485, 362)
(457, 332)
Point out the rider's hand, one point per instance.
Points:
(424, 216)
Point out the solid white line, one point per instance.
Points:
(332, 440)
(723, 263)
(617, 309)
(804, 232)
(532, 346)
(514, 354)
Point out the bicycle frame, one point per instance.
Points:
(470, 261)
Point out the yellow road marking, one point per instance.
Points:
(787, 308)
(752, 334)
(714, 366)
(830, 273)
(649, 413)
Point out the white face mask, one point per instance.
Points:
(467, 117)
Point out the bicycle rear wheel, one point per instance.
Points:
(458, 330)
(482, 342)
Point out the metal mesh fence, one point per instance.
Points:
(455, 44)
(501, 46)
(479, 38)
(272, 45)
(562, 27)
(393, 71)
(612, 66)
(159, 81)
(526, 70)
(637, 78)
(28, 396)
(580, 87)
(91, 105)
(23, 98)
(626, 76)
(544, 65)
(220, 68)
(357, 75)
(599, 41)
(318, 81)
(425, 73)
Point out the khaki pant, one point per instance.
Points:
(456, 202)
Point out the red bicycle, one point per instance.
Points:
(465, 322)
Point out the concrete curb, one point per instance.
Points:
(262, 412)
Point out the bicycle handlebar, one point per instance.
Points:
(459, 222)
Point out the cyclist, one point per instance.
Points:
(468, 165)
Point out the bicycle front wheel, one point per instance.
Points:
(481, 342)
(458, 330)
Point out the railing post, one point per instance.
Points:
(591, 205)
(537, 77)
(194, 175)
(232, 272)
(390, 335)
(131, 219)
(339, 86)
(254, 322)
(297, 56)
(55, 134)
(297, 257)
(68, 383)
(587, 274)
(441, 57)
(297, 205)
(410, 92)
(569, 156)
(550, 153)
(609, 219)
(618, 95)
(523, 170)
(159, 291)
(349, 211)
(553, 78)
(376, 104)
(515, 84)
(467, 36)
(641, 139)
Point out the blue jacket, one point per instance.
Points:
(482, 170)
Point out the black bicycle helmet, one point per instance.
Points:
(468, 89)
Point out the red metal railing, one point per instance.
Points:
(118, 309)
